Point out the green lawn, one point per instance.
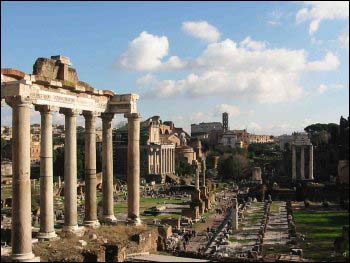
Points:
(320, 227)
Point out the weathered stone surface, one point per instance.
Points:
(12, 72)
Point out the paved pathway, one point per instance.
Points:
(277, 227)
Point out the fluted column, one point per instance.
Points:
(70, 170)
(302, 163)
(294, 163)
(21, 229)
(311, 162)
(107, 167)
(47, 223)
(90, 170)
(133, 177)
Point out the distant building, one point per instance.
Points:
(205, 127)
(254, 138)
(225, 121)
(229, 138)
(207, 131)
(157, 148)
(283, 140)
(243, 137)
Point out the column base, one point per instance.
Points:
(110, 219)
(47, 235)
(27, 257)
(134, 221)
(92, 223)
(74, 230)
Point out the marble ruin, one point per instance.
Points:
(302, 141)
(54, 87)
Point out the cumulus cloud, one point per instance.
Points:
(232, 110)
(227, 69)
(144, 52)
(250, 44)
(318, 11)
(329, 62)
(322, 88)
(344, 39)
(202, 30)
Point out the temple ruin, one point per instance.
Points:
(54, 87)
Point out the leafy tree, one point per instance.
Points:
(232, 168)
(58, 162)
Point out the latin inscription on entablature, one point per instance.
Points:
(44, 97)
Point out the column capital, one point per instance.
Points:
(132, 115)
(90, 114)
(46, 108)
(19, 100)
(107, 116)
(70, 112)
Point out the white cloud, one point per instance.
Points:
(202, 30)
(317, 11)
(322, 88)
(250, 44)
(329, 62)
(232, 110)
(144, 52)
(224, 69)
(274, 18)
(344, 39)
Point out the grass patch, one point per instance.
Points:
(320, 228)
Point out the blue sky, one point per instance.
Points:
(274, 66)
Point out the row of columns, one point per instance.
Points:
(302, 162)
(167, 162)
(21, 208)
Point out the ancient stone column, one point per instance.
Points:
(203, 170)
(311, 162)
(162, 161)
(302, 163)
(294, 163)
(70, 170)
(166, 160)
(197, 176)
(235, 214)
(133, 177)
(90, 170)
(21, 231)
(47, 223)
(107, 167)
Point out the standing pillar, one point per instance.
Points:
(90, 219)
(21, 229)
(311, 162)
(172, 161)
(294, 163)
(235, 215)
(47, 230)
(166, 160)
(133, 176)
(70, 170)
(197, 176)
(203, 170)
(107, 168)
(302, 163)
(163, 162)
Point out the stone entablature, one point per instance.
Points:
(301, 139)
